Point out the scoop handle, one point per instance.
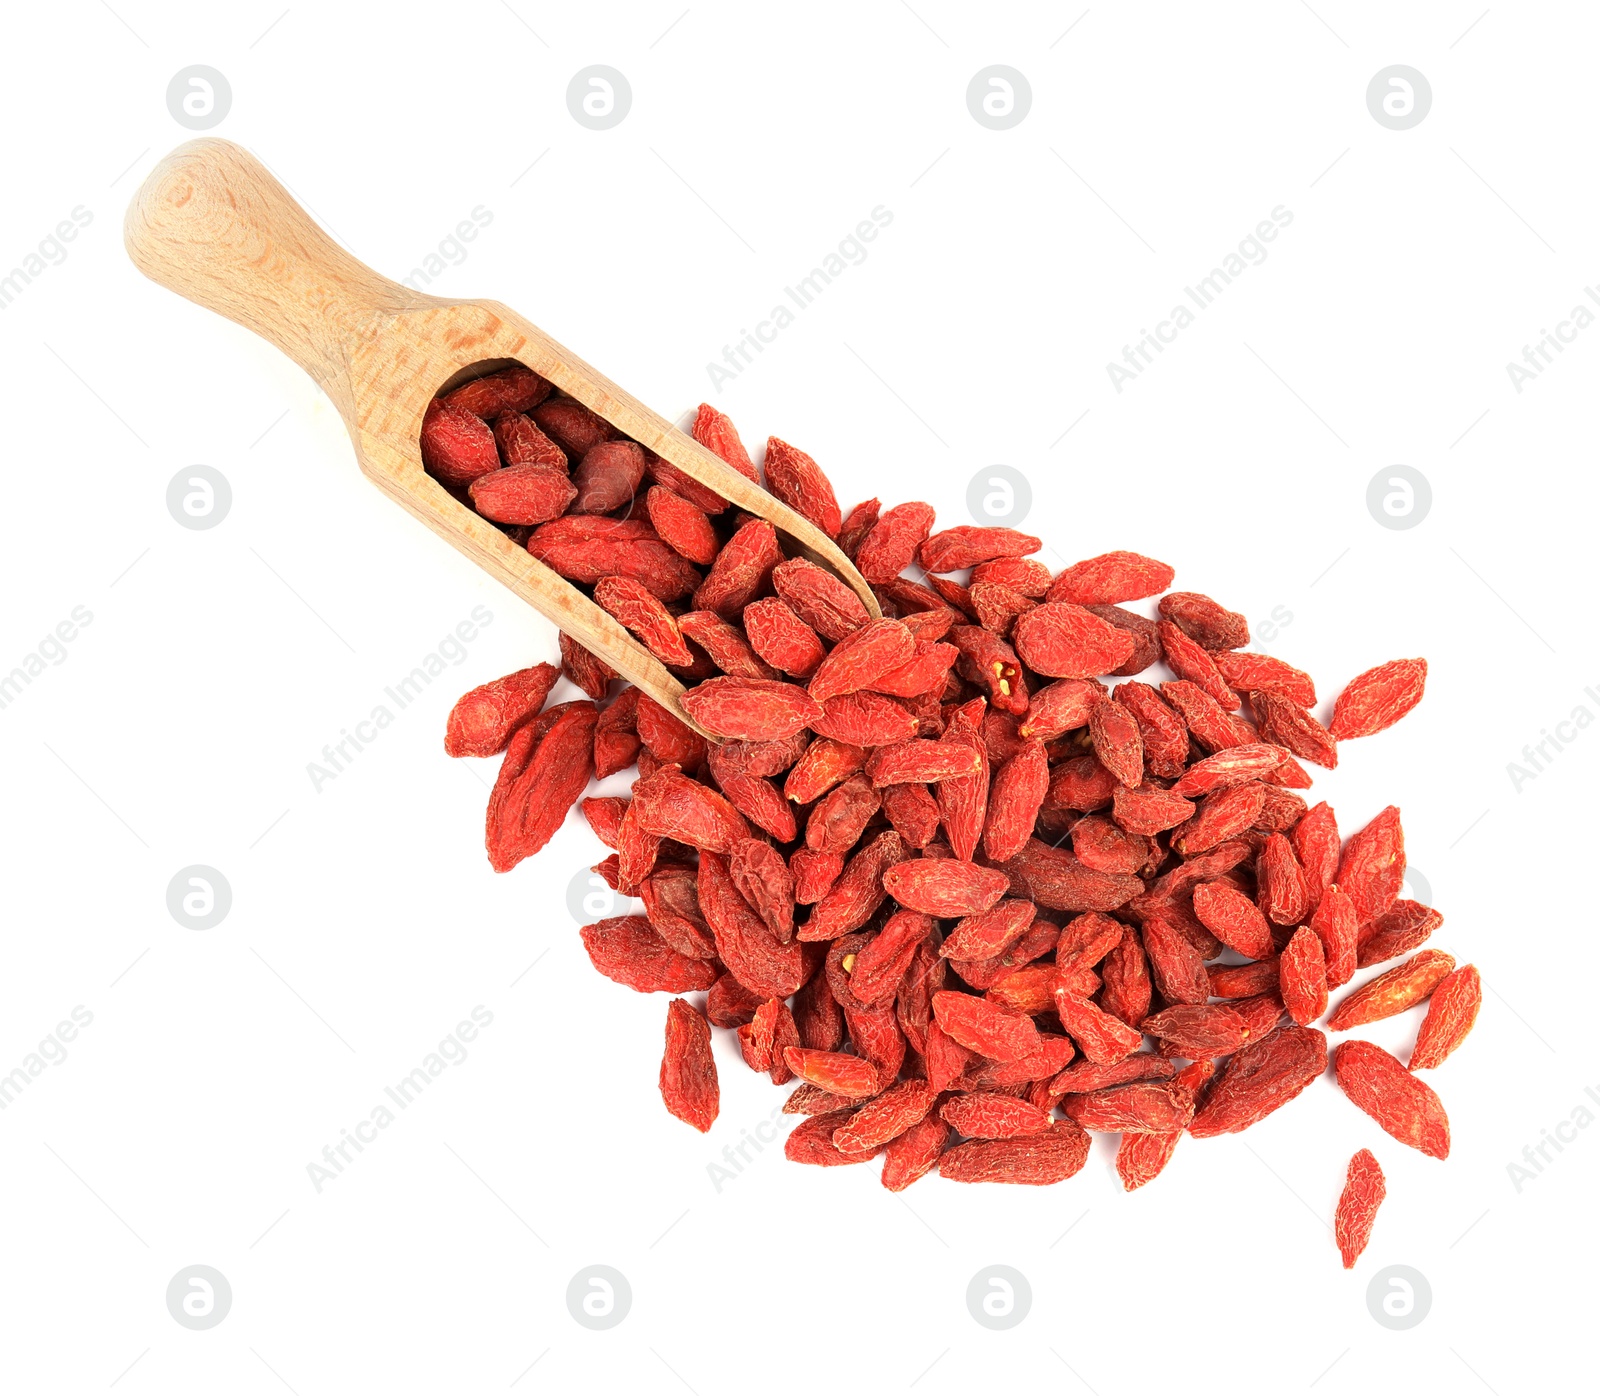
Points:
(211, 223)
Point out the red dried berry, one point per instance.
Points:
(1452, 1010)
(1303, 977)
(1110, 578)
(482, 721)
(1402, 1104)
(514, 389)
(1262, 1076)
(629, 950)
(1363, 1193)
(966, 546)
(798, 481)
(688, 1072)
(1378, 698)
(1204, 621)
(1065, 641)
(457, 447)
(755, 710)
(523, 494)
(714, 431)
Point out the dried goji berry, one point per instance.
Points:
(1373, 867)
(682, 525)
(1261, 673)
(1243, 981)
(837, 820)
(1024, 575)
(819, 598)
(1404, 1105)
(1452, 1010)
(918, 759)
(856, 893)
(1378, 698)
(1293, 728)
(1064, 641)
(640, 612)
(885, 1116)
(589, 672)
(1284, 892)
(865, 719)
(716, 433)
(945, 886)
(1192, 663)
(862, 656)
(926, 671)
(1060, 707)
(798, 481)
(1262, 1076)
(753, 710)
(522, 494)
(1229, 767)
(608, 477)
(688, 1071)
(1393, 992)
(814, 873)
(1117, 741)
(1146, 638)
(1161, 730)
(1316, 844)
(745, 943)
(541, 778)
(1199, 1029)
(1110, 578)
(1144, 1107)
(988, 660)
(1399, 930)
(985, 1028)
(667, 737)
(812, 1141)
(585, 548)
(572, 426)
(858, 523)
(1055, 878)
(966, 546)
(1051, 1156)
(1203, 620)
(996, 606)
(629, 950)
(743, 569)
(1020, 786)
(1141, 1157)
(988, 1115)
(765, 882)
(482, 721)
(522, 443)
(781, 638)
(457, 446)
(514, 389)
(1303, 977)
(1207, 721)
(1363, 1193)
(675, 807)
(852, 1077)
(1234, 919)
(914, 1153)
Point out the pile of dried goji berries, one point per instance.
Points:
(937, 869)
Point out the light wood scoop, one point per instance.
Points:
(213, 225)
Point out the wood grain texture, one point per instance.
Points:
(213, 225)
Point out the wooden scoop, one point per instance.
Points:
(213, 225)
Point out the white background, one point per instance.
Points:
(365, 922)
